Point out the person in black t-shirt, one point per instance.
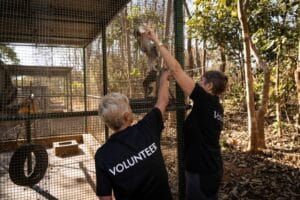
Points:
(202, 127)
(130, 163)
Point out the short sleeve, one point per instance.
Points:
(199, 95)
(153, 121)
(103, 183)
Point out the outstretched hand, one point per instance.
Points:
(151, 34)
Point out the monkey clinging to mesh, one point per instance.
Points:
(148, 47)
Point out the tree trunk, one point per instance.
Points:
(241, 61)
(265, 96)
(167, 28)
(278, 117)
(297, 80)
(252, 120)
(189, 38)
(168, 22)
(223, 60)
(204, 57)
(127, 50)
(198, 60)
(190, 53)
(127, 38)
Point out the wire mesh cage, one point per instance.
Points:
(57, 60)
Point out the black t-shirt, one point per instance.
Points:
(131, 164)
(202, 128)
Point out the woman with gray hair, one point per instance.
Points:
(130, 163)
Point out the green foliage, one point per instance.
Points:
(77, 88)
(7, 54)
(217, 23)
(137, 16)
(271, 23)
(135, 72)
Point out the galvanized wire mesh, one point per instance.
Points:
(58, 58)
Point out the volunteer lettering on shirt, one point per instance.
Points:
(218, 116)
(133, 160)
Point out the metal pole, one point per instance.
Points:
(71, 93)
(180, 114)
(104, 71)
(66, 90)
(85, 92)
(28, 132)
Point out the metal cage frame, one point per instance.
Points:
(89, 23)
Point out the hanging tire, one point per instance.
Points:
(17, 171)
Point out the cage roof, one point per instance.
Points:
(34, 70)
(64, 22)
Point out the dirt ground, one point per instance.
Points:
(273, 174)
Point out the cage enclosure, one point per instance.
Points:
(57, 59)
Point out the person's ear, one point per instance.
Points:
(128, 116)
(209, 86)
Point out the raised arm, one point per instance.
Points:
(186, 83)
(163, 92)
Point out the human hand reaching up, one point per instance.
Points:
(151, 34)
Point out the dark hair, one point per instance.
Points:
(218, 79)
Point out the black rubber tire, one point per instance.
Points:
(17, 162)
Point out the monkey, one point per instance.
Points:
(148, 47)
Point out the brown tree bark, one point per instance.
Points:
(198, 59)
(278, 101)
(261, 111)
(167, 27)
(189, 38)
(241, 62)
(190, 54)
(168, 21)
(297, 80)
(204, 57)
(252, 118)
(127, 49)
(223, 60)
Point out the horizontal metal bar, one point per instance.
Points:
(52, 18)
(135, 109)
(3, 34)
(53, 115)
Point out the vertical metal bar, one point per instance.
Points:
(104, 60)
(28, 138)
(27, 127)
(28, 132)
(85, 92)
(66, 90)
(27, 121)
(71, 93)
(180, 113)
(17, 86)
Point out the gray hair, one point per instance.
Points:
(112, 108)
